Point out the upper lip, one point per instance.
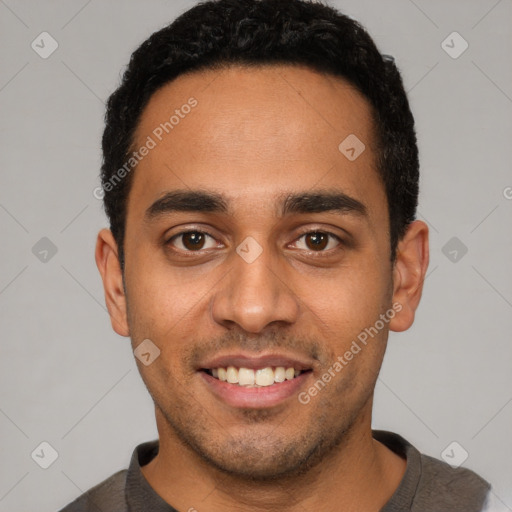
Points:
(256, 362)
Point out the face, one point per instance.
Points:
(257, 251)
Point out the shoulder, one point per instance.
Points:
(461, 489)
(431, 484)
(107, 495)
(435, 470)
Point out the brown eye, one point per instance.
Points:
(318, 241)
(192, 241)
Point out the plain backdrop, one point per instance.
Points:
(68, 380)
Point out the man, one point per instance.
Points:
(260, 176)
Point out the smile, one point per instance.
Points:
(244, 381)
(249, 377)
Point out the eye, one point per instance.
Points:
(318, 241)
(192, 241)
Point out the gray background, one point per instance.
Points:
(67, 379)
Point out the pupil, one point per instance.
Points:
(318, 240)
(193, 240)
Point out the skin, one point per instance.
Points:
(258, 133)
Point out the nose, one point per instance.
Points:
(254, 295)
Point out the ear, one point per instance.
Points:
(107, 260)
(409, 273)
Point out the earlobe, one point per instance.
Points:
(107, 260)
(409, 273)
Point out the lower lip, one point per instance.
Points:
(254, 398)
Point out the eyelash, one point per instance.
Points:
(314, 231)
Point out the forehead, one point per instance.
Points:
(255, 132)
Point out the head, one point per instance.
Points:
(213, 35)
(269, 221)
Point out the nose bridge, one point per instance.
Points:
(253, 295)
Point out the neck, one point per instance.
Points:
(360, 474)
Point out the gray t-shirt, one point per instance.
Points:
(428, 485)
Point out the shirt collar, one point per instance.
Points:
(140, 496)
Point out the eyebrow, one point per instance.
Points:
(322, 201)
(316, 201)
(187, 201)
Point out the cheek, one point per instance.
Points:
(161, 295)
(169, 306)
(350, 300)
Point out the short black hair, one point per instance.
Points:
(219, 33)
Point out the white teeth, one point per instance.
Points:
(255, 378)
(280, 374)
(265, 377)
(232, 375)
(246, 377)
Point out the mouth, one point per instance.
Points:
(255, 382)
(254, 378)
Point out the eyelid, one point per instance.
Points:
(191, 229)
(325, 232)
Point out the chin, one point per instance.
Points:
(264, 462)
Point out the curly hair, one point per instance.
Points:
(219, 33)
